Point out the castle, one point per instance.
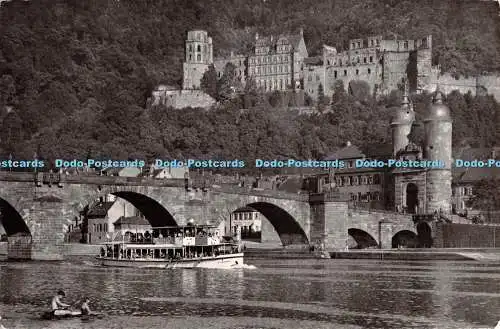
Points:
(282, 63)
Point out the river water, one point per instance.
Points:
(270, 294)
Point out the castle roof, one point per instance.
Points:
(133, 220)
(438, 110)
(100, 210)
(404, 114)
(271, 41)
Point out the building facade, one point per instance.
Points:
(278, 62)
(245, 221)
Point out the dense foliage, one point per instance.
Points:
(78, 75)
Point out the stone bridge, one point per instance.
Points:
(36, 210)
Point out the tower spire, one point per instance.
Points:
(438, 97)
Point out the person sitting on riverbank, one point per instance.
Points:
(85, 307)
(58, 307)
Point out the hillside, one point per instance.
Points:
(78, 73)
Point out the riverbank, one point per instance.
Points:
(420, 254)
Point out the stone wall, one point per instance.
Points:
(193, 72)
(491, 84)
(180, 99)
(451, 235)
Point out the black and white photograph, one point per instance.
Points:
(249, 164)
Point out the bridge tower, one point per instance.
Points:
(401, 124)
(199, 55)
(438, 147)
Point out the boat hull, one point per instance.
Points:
(222, 261)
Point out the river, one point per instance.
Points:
(270, 294)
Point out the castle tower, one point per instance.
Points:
(401, 124)
(199, 55)
(438, 146)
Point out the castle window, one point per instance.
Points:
(369, 71)
(355, 180)
(190, 47)
(258, 60)
(328, 62)
(190, 57)
(353, 45)
(258, 70)
(220, 74)
(199, 48)
(345, 72)
(370, 180)
(253, 61)
(406, 44)
(364, 180)
(357, 59)
(372, 42)
(310, 78)
(317, 78)
(335, 74)
(357, 72)
(364, 60)
(359, 44)
(281, 84)
(275, 69)
(281, 69)
(371, 59)
(199, 57)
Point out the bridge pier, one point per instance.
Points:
(47, 236)
(329, 222)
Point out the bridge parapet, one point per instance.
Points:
(263, 193)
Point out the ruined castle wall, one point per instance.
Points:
(313, 77)
(491, 84)
(193, 72)
(180, 99)
(371, 73)
(394, 71)
(424, 68)
(447, 83)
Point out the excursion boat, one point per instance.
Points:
(173, 247)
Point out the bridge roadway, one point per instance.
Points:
(38, 207)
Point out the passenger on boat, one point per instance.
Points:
(85, 307)
(58, 306)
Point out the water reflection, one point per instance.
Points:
(372, 294)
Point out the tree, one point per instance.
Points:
(209, 82)
(486, 195)
(323, 100)
(227, 83)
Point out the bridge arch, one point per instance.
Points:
(286, 226)
(424, 234)
(150, 205)
(19, 237)
(405, 238)
(362, 238)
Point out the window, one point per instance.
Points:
(364, 180)
(372, 43)
(364, 60)
(353, 45)
(371, 59)
(340, 62)
(286, 58)
(310, 78)
(335, 74)
(359, 44)
(190, 57)
(345, 72)
(258, 70)
(357, 72)
(355, 180)
(406, 44)
(281, 84)
(286, 69)
(338, 180)
(199, 57)
(253, 61)
(275, 68)
(317, 78)
(258, 60)
(281, 69)
(190, 47)
(369, 71)
(199, 48)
